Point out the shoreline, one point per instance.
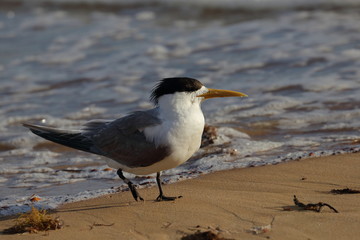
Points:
(230, 202)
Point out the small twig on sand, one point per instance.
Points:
(313, 206)
(100, 225)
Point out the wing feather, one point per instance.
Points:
(124, 141)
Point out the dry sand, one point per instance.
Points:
(230, 202)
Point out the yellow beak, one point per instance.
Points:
(214, 93)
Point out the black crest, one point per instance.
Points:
(172, 85)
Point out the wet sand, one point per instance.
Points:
(230, 203)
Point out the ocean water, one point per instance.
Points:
(64, 62)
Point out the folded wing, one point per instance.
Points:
(121, 140)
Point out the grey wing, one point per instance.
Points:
(124, 141)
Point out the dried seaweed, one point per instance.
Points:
(344, 191)
(34, 221)
(313, 206)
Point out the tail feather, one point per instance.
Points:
(73, 139)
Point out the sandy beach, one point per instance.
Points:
(229, 203)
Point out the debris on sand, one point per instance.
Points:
(344, 191)
(208, 235)
(261, 229)
(209, 135)
(312, 206)
(34, 198)
(34, 221)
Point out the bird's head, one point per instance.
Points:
(187, 89)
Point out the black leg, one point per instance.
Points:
(132, 188)
(161, 196)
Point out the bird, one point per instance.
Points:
(149, 141)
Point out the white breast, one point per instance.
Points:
(181, 130)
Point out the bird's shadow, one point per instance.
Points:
(88, 208)
(100, 206)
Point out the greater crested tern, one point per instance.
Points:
(146, 142)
